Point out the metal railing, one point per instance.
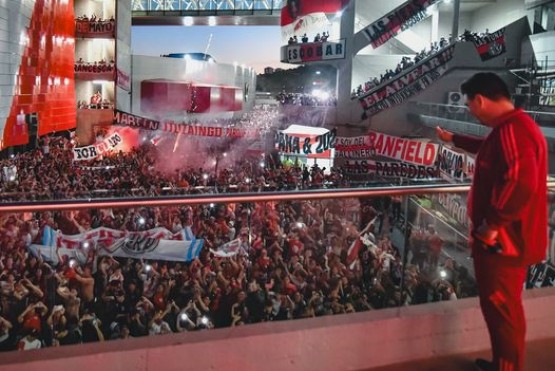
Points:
(461, 113)
(202, 6)
(165, 201)
(420, 208)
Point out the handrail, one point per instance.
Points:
(233, 198)
(531, 113)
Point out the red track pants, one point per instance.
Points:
(500, 284)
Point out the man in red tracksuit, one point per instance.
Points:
(507, 206)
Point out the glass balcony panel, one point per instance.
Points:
(145, 266)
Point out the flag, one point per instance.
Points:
(187, 233)
(49, 236)
(300, 17)
(352, 253)
(490, 45)
(193, 245)
(154, 244)
(47, 253)
(228, 249)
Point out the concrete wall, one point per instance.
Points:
(123, 52)
(346, 342)
(499, 14)
(15, 17)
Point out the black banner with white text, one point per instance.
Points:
(490, 45)
(398, 20)
(408, 84)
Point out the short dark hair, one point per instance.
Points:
(290, 7)
(487, 84)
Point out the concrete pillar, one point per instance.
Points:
(345, 66)
(434, 35)
(456, 13)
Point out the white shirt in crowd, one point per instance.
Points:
(27, 344)
(157, 329)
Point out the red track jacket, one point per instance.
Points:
(509, 189)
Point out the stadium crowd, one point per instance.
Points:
(296, 259)
(318, 38)
(405, 64)
(408, 62)
(311, 100)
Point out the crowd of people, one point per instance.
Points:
(297, 259)
(96, 101)
(310, 100)
(94, 18)
(50, 172)
(318, 38)
(405, 64)
(468, 36)
(408, 62)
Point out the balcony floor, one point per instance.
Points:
(539, 356)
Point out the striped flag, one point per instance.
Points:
(154, 244)
(187, 233)
(194, 247)
(49, 236)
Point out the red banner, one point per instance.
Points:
(95, 29)
(413, 151)
(128, 119)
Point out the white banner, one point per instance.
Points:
(451, 164)
(390, 169)
(54, 255)
(414, 151)
(229, 249)
(157, 243)
(455, 165)
(93, 151)
(138, 247)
